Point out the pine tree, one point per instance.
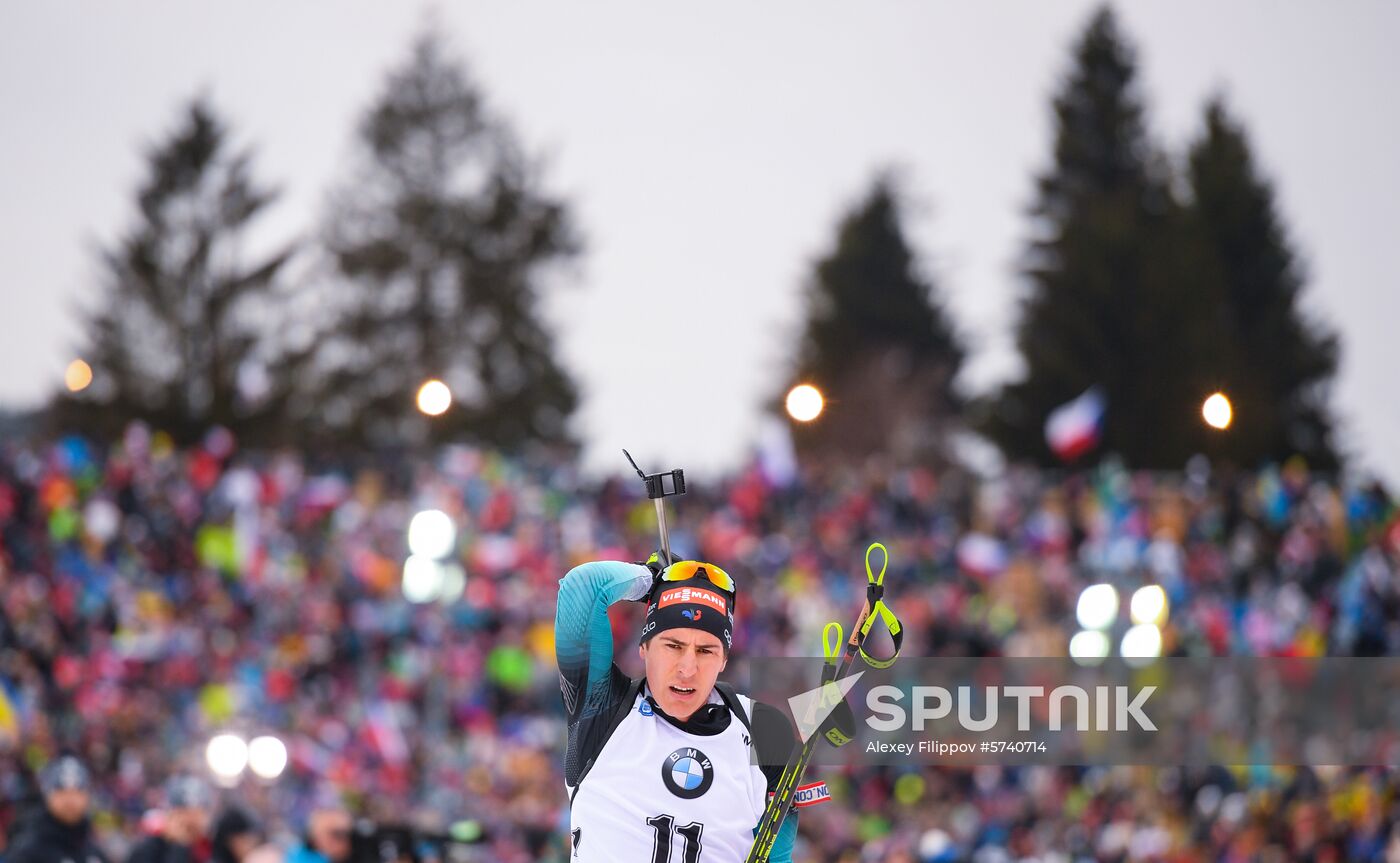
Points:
(182, 335)
(443, 240)
(1281, 361)
(876, 343)
(1110, 303)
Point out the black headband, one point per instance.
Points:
(691, 604)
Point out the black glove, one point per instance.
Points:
(656, 565)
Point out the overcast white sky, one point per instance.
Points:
(707, 152)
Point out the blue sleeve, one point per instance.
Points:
(592, 685)
(787, 838)
(583, 641)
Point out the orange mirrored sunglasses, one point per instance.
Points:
(684, 570)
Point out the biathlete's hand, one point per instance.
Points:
(657, 566)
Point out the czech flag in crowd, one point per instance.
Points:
(1074, 428)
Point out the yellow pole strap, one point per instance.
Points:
(875, 593)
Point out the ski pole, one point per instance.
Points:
(834, 668)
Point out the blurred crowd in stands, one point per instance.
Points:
(154, 596)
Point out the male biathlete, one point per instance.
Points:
(662, 768)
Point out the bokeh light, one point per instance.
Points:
(267, 756)
(1149, 605)
(434, 398)
(227, 755)
(77, 376)
(1141, 644)
(422, 579)
(1217, 411)
(1088, 647)
(1098, 606)
(431, 534)
(102, 519)
(804, 403)
(454, 584)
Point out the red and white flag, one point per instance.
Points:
(981, 555)
(1074, 428)
(382, 725)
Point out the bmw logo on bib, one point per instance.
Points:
(687, 773)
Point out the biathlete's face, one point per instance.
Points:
(682, 667)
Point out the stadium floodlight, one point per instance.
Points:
(1141, 645)
(267, 756)
(422, 579)
(434, 398)
(1088, 647)
(1098, 606)
(431, 534)
(1149, 605)
(77, 376)
(1217, 411)
(227, 755)
(804, 403)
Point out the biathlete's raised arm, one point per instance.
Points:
(590, 681)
